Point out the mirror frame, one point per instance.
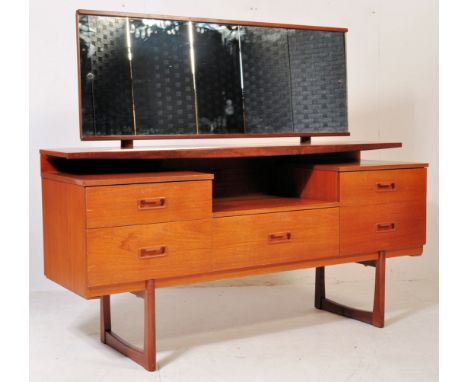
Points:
(129, 138)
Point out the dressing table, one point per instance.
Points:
(132, 219)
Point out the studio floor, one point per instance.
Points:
(247, 333)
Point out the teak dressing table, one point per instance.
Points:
(186, 215)
(134, 219)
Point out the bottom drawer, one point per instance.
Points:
(382, 227)
(154, 251)
(254, 240)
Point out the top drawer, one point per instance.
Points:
(383, 186)
(112, 206)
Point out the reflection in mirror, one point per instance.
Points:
(218, 78)
(266, 77)
(162, 77)
(106, 87)
(318, 75)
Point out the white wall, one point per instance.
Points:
(392, 52)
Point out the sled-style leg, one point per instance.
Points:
(147, 356)
(376, 317)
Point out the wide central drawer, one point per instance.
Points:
(154, 251)
(253, 240)
(113, 206)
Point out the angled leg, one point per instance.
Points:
(378, 316)
(375, 317)
(145, 357)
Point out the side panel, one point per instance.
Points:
(64, 234)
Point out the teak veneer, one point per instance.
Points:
(132, 220)
(228, 150)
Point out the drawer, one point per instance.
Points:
(373, 228)
(384, 186)
(135, 253)
(254, 240)
(113, 206)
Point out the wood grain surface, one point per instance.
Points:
(114, 254)
(112, 206)
(253, 240)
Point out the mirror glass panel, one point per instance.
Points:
(163, 91)
(106, 85)
(318, 80)
(167, 77)
(267, 86)
(218, 79)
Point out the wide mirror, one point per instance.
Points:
(155, 77)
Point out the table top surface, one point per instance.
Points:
(217, 150)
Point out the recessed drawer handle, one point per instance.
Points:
(150, 204)
(280, 237)
(149, 253)
(386, 227)
(391, 186)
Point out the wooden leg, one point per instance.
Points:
(319, 286)
(105, 317)
(376, 317)
(147, 356)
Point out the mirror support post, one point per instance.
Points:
(126, 144)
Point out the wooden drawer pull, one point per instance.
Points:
(149, 253)
(386, 186)
(386, 227)
(280, 237)
(151, 204)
